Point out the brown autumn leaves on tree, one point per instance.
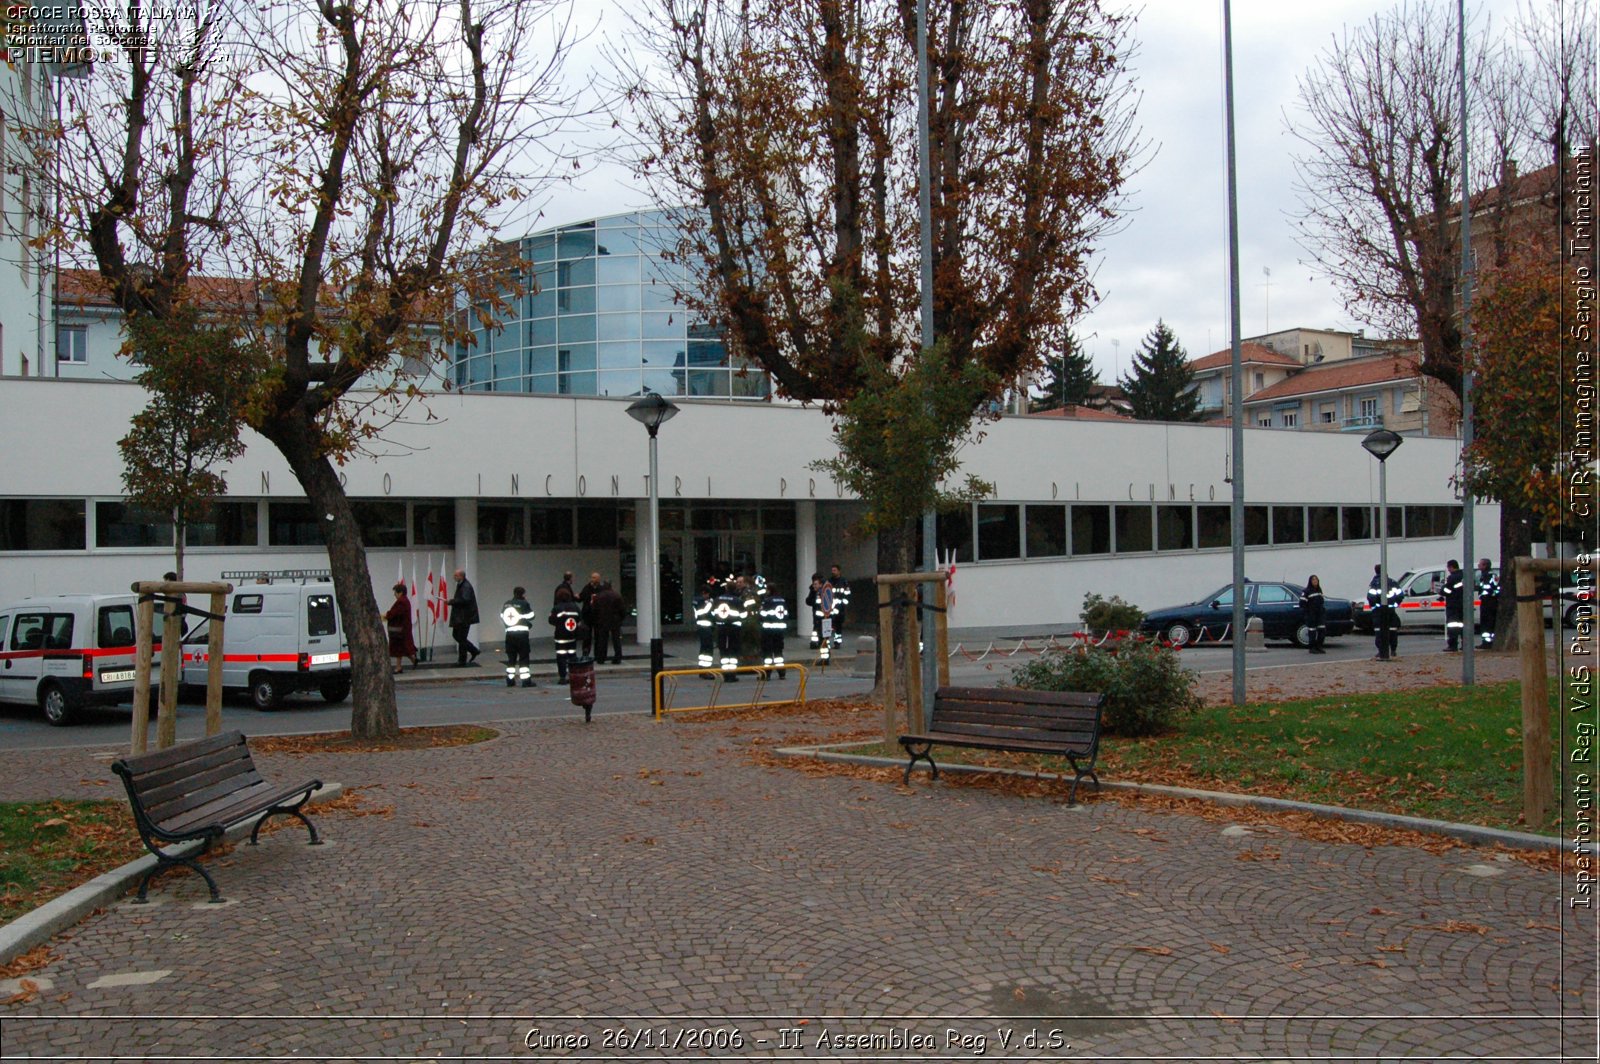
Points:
(340, 164)
(788, 131)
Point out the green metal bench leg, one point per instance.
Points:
(925, 754)
(163, 862)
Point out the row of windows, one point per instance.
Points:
(62, 524)
(1056, 530)
(711, 383)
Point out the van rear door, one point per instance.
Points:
(114, 653)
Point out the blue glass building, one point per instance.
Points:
(603, 318)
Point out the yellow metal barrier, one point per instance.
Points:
(762, 677)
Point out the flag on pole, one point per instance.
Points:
(948, 564)
(433, 611)
(415, 609)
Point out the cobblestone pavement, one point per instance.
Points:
(566, 882)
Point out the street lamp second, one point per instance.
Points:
(1381, 444)
(652, 411)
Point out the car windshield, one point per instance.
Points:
(1222, 596)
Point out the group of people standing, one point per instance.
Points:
(1385, 600)
(591, 617)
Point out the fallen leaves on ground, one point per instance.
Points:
(31, 961)
(345, 743)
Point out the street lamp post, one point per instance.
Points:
(651, 411)
(1381, 444)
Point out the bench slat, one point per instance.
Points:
(1071, 736)
(1001, 716)
(985, 743)
(232, 808)
(201, 792)
(1018, 695)
(163, 786)
(139, 764)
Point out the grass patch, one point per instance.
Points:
(47, 848)
(1446, 753)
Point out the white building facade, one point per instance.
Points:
(517, 489)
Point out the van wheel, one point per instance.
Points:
(335, 690)
(53, 702)
(264, 691)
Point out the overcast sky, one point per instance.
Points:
(1170, 260)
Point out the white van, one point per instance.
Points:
(1422, 597)
(65, 652)
(278, 639)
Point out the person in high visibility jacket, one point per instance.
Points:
(820, 599)
(1489, 597)
(704, 600)
(517, 615)
(1385, 615)
(566, 617)
(841, 602)
(728, 612)
(1454, 613)
(774, 624)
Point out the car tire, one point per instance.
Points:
(1179, 635)
(335, 690)
(1300, 635)
(1569, 617)
(265, 692)
(54, 704)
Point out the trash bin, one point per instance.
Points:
(580, 681)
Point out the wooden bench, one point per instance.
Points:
(1062, 723)
(197, 791)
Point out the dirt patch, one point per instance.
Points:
(344, 743)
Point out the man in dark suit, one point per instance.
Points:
(463, 615)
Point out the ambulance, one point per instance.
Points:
(65, 652)
(279, 637)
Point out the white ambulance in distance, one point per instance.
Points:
(64, 652)
(278, 638)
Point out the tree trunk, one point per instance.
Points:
(1516, 541)
(895, 546)
(373, 713)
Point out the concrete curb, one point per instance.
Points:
(1469, 833)
(58, 914)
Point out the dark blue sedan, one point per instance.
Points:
(1277, 604)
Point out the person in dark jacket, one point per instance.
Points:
(586, 595)
(566, 618)
(463, 615)
(1454, 612)
(606, 611)
(1314, 613)
(397, 623)
(1489, 596)
(518, 615)
(1385, 617)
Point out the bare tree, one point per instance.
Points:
(788, 129)
(341, 164)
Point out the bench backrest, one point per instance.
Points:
(1069, 717)
(164, 784)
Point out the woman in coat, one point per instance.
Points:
(1314, 613)
(398, 624)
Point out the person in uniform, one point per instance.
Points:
(1454, 615)
(751, 589)
(566, 618)
(1385, 617)
(820, 599)
(1489, 597)
(517, 615)
(841, 602)
(704, 601)
(728, 612)
(774, 624)
(1314, 614)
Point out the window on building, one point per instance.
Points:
(597, 526)
(550, 526)
(1257, 526)
(1260, 380)
(1174, 528)
(1327, 414)
(954, 532)
(72, 343)
(1133, 529)
(43, 524)
(1047, 531)
(116, 524)
(1291, 418)
(1369, 408)
(1264, 421)
(293, 524)
(1215, 525)
(226, 524)
(502, 526)
(382, 524)
(999, 532)
(1288, 524)
(433, 524)
(1091, 530)
(1322, 523)
(1358, 522)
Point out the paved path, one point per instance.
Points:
(655, 878)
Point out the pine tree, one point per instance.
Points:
(1070, 376)
(1160, 388)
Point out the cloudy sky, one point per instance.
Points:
(1170, 260)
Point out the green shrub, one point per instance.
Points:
(1146, 690)
(1102, 615)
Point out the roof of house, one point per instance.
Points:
(1248, 353)
(1081, 413)
(1336, 376)
(87, 288)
